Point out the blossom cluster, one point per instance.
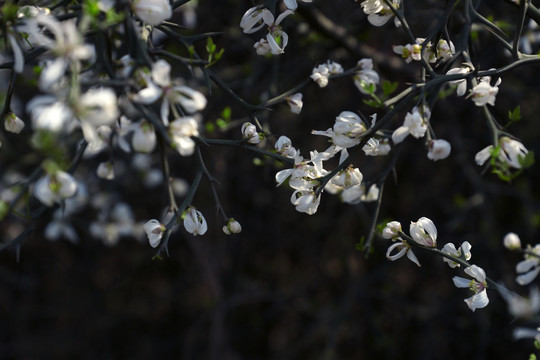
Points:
(423, 234)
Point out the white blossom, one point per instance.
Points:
(181, 130)
(483, 93)
(392, 230)
(511, 151)
(154, 231)
(321, 73)
(477, 285)
(409, 52)
(402, 249)
(144, 138)
(529, 268)
(366, 76)
(463, 252)
(424, 232)
(53, 188)
(462, 83)
(293, 5)
(152, 12)
(415, 124)
(250, 133)
(438, 149)
(295, 103)
(194, 222)
(13, 123)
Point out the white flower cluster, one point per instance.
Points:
(423, 233)
(276, 39)
(379, 13)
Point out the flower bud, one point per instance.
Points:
(154, 230)
(439, 149)
(105, 170)
(12, 123)
(232, 227)
(295, 102)
(152, 12)
(392, 230)
(424, 232)
(144, 139)
(250, 134)
(512, 241)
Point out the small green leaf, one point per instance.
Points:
(389, 87)
(515, 115)
(226, 113)
(210, 46)
(209, 127)
(526, 161)
(222, 124)
(4, 208)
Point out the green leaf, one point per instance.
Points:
(515, 115)
(389, 87)
(4, 208)
(226, 113)
(526, 161)
(210, 46)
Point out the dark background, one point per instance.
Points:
(292, 286)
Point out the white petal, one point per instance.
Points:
(461, 282)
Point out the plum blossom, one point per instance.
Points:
(378, 12)
(194, 222)
(403, 248)
(144, 138)
(445, 49)
(54, 188)
(322, 73)
(306, 201)
(477, 285)
(392, 230)
(529, 268)
(409, 52)
(68, 47)
(295, 103)
(348, 129)
(152, 12)
(424, 232)
(250, 133)
(159, 84)
(154, 231)
(438, 149)
(255, 18)
(376, 147)
(415, 124)
(277, 38)
(366, 77)
(181, 130)
(483, 93)
(463, 252)
(284, 147)
(462, 83)
(511, 151)
(293, 5)
(13, 123)
(522, 307)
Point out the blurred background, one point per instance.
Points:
(290, 285)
